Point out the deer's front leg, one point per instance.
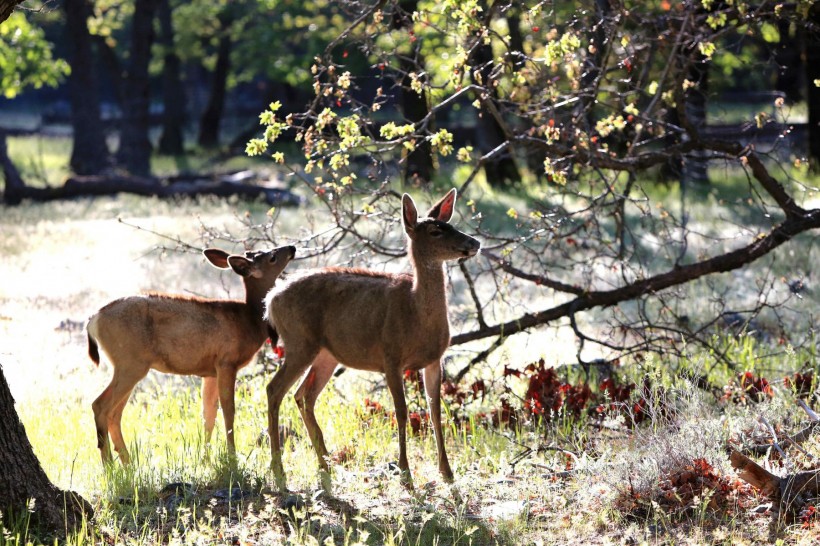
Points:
(297, 361)
(396, 386)
(432, 387)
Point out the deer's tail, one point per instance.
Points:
(93, 350)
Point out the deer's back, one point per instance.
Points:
(177, 334)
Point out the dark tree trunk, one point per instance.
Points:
(12, 195)
(212, 116)
(89, 154)
(695, 165)
(418, 164)
(135, 146)
(516, 38)
(7, 7)
(114, 71)
(787, 56)
(813, 92)
(23, 479)
(501, 168)
(598, 42)
(173, 96)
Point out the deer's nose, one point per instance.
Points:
(471, 247)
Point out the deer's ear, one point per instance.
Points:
(409, 213)
(243, 266)
(217, 257)
(443, 210)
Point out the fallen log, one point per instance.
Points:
(236, 184)
(788, 494)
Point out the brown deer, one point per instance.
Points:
(367, 320)
(187, 336)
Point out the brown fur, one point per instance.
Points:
(183, 335)
(370, 321)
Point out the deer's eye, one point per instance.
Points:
(436, 232)
(273, 258)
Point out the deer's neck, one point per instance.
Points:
(429, 293)
(255, 305)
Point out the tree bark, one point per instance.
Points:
(418, 164)
(787, 55)
(89, 154)
(501, 168)
(212, 116)
(23, 480)
(135, 146)
(14, 182)
(7, 8)
(171, 140)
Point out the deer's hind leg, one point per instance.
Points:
(317, 377)
(108, 408)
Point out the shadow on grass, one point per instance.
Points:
(240, 514)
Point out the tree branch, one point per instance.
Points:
(729, 261)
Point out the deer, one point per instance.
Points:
(184, 335)
(373, 321)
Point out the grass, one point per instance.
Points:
(513, 486)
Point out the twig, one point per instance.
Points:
(775, 442)
(177, 240)
(810, 412)
(480, 357)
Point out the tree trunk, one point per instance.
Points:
(787, 57)
(695, 165)
(813, 92)
(12, 195)
(418, 164)
(23, 480)
(212, 117)
(500, 169)
(171, 140)
(135, 146)
(516, 38)
(7, 7)
(114, 71)
(89, 154)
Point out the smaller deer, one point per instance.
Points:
(373, 321)
(187, 336)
